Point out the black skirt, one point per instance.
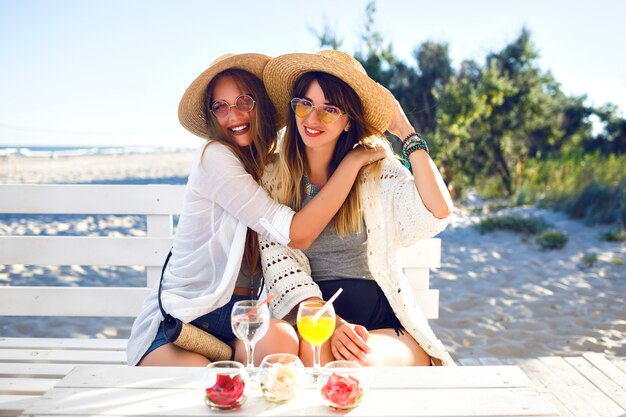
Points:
(362, 302)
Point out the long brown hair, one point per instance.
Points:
(293, 163)
(263, 128)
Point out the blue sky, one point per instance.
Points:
(112, 72)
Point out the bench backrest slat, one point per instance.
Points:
(424, 254)
(72, 301)
(79, 250)
(91, 199)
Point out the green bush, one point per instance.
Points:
(591, 187)
(490, 187)
(552, 239)
(618, 235)
(490, 207)
(617, 261)
(596, 203)
(519, 224)
(590, 259)
(496, 206)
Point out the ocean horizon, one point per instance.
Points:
(70, 151)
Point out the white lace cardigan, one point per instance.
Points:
(395, 216)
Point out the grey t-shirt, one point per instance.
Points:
(333, 257)
(245, 280)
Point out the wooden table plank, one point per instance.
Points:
(548, 381)
(36, 370)
(62, 343)
(26, 386)
(541, 387)
(377, 402)
(424, 392)
(620, 363)
(384, 378)
(607, 367)
(539, 384)
(13, 405)
(63, 356)
(601, 403)
(601, 381)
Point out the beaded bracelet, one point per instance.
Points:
(410, 135)
(411, 139)
(412, 143)
(415, 141)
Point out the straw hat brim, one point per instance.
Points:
(282, 72)
(191, 108)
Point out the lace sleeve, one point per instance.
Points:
(412, 219)
(287, 274)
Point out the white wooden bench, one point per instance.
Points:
(31, 366)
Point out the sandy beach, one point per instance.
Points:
(501, 296)
(96, 168)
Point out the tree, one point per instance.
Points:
(612, 136)
(375, 58)
(434, 72)
(527, 116)
(466, 107)
(327, 38)
(484, 122)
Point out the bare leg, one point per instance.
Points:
(281, 337)
(172, 355)
(389, 349)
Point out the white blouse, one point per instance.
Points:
(221, 201)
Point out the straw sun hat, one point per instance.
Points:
(191, 107)
(282, 72)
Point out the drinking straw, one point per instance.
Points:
(258, 306)
(325, 307)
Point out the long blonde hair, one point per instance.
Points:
(263, 128)
(293, 163)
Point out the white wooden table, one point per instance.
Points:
(433, 391)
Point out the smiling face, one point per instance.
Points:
(237, 124)
(315, 134)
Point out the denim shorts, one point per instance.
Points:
(217, 323)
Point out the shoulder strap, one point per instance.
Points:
(169, 255)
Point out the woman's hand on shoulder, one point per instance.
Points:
(364, 156)
(349, 342)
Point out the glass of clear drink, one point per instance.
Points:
(250, 323)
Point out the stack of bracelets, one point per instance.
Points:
(410, 144)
